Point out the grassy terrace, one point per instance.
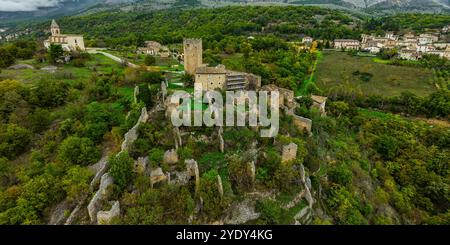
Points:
(336, 68)
(139, 59)
(67, 73)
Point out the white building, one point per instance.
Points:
(427, 38)
(407, 54)
(425, 48)
(69, 42)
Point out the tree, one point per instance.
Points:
(150, 77)
(78, 151)
(149, 60)
(121, 169)
(340, 174)
(55, 52)
(49, 93)
(213, 203)
(239, 174)
(95, 131)
(270, 210)
(40, 119)
(6, 58)
(5, 171)
(76, 183)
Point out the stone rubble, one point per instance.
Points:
(101, 195)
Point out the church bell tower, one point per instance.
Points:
(55, 28)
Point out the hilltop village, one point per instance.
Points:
(408, 46)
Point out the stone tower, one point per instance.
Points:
(193, 52)
(55, 28)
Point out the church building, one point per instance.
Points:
(69, 42)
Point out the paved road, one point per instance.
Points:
(113, 57)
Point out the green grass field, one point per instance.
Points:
(66, 72)
(387, 80)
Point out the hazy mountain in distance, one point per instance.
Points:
(14, 10)
(362, 5)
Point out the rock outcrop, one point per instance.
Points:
(163, 91)
(219, 185)
(193, 171)
(73, 215)
(132, 135)
(221, 141)
(21, 67)
(303, 123)
(135, 94)
(170, 157)
(58, 213)
(252, 172)
(242, 213)
(101, 195)
(100, 169)
(177, 136)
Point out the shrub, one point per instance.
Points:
(121, 169)
(79, 151)
(76, 183)
(13, 140)
(149, 60)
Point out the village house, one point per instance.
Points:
(408, 54)
(155, 49)
(69, 42)
(411, 47)
(346, 44)
(409, 37)
(441, 46)
(427, 39)
(307, 40)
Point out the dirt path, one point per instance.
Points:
(113, 57)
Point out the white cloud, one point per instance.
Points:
(26, 5)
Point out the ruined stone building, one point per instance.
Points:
(155, 49)
(217, 77)
(220, 78)
(69, 42)
(211, 78)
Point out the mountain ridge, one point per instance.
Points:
(74, 7)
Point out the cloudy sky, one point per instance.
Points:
(26, 5)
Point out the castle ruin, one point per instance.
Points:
(193, 52)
